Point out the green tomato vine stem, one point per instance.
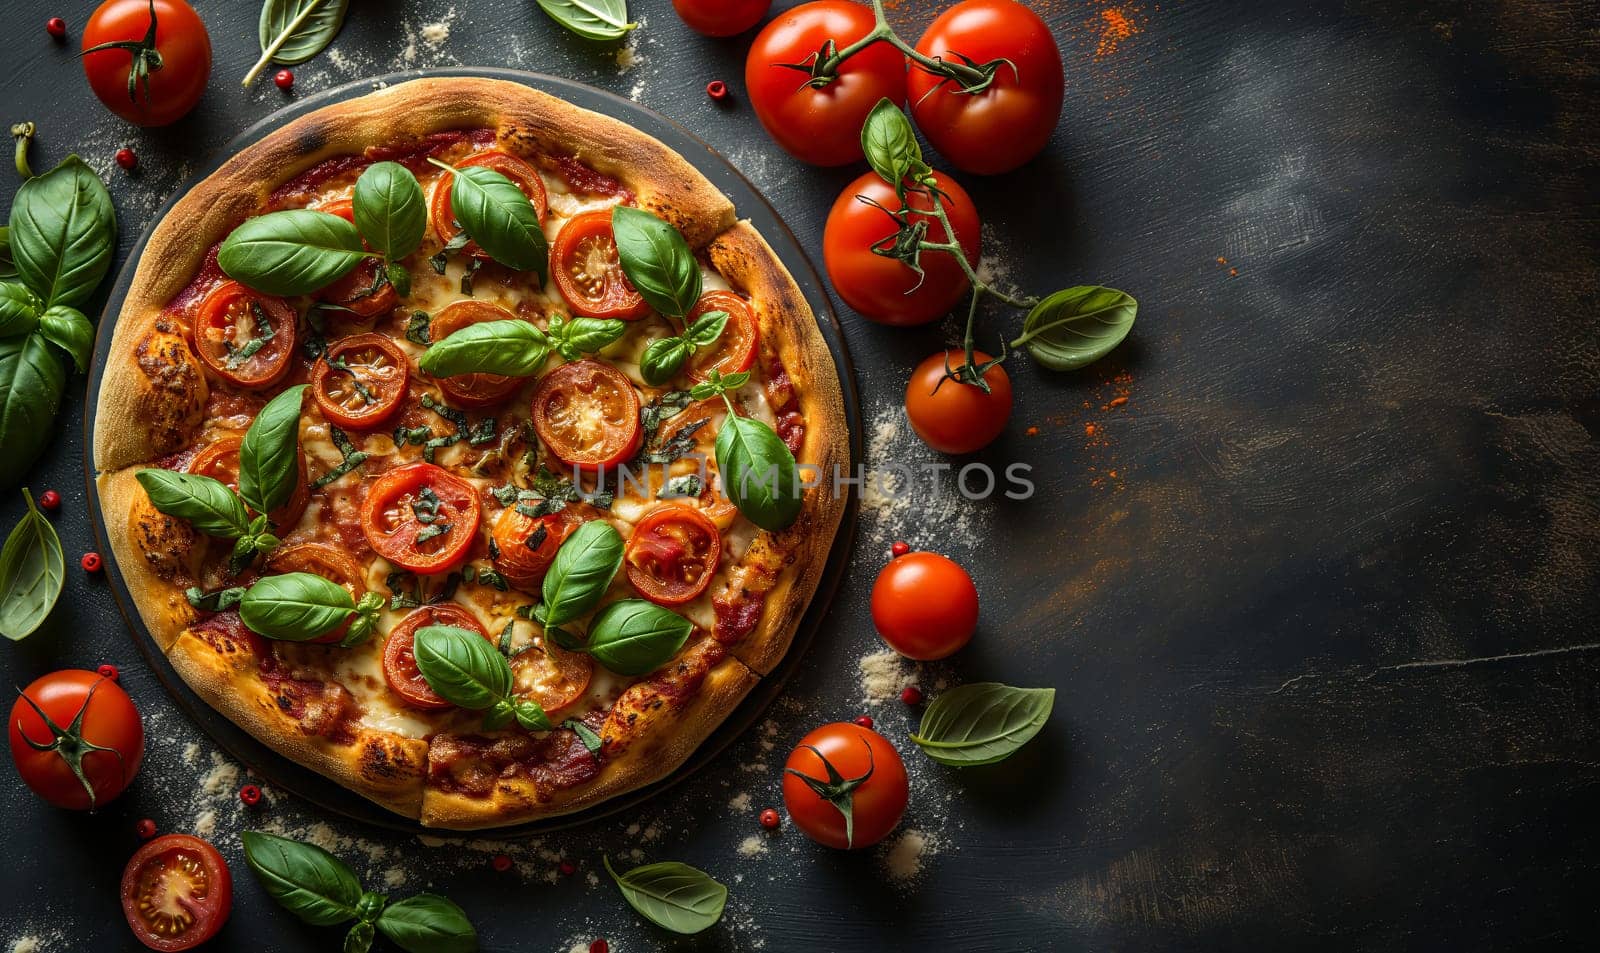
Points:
(971, 78)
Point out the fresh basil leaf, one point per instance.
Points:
(269, 455)
(390, 211)
(291, 252)
(636, 637)
(672, 895)
(63, 231)
(463, 667)
(69, 330)
(687, 486)
(1076, 327)
(31, 382)
(982, 723)
(359, 939)
(19, 309)
(428, 923)
(706, 329)
(499, 218)
(581, 572)
(31, 573)
(585, 734)
(208, 505)
(295, 606)
(590, 19)
(514, 348)
(577, 336)
(759, 473)
(889, 142)
(304, 879)
(657, 260)
(8, 265)
(662, 360)
(216, 601)
(293, 31)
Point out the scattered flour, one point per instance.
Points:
(910, 492)
(26, 944)
(191, 753)
(740, 802)
(884, 674)
(752, 846)
(904, 857)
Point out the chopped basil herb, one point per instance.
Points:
(585, 734)
(260, 333)
(352, 458)
(536, 538)
(417, 328)
(494, 549)
(505, 638)
(442, 257)
(662, 408)
(214, 601)
(681, 444)
(466, 276)
(339, 364)
(426, 507)
(687, 486)
(431, 530)
(506, 494)
(492, 578)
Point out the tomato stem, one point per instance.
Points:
(146, 58)
(23, 133)
(69, 743)
(972, 77)
(838, 790)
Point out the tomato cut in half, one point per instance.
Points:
(421, 518)
(177, 893)
(551, 676)
(399, 654)
(329, 563)
(523, 175)
(244, 338)
(476, 391)
(359, 382)
(524, 546)
(587, 413)
(589, 273)
(220, 461)
(672, 555)
(366, 289)
(735, 350)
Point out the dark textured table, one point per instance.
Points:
(1313, 557)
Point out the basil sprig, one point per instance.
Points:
(292, 252)
(323, 891)
(759, 473)
(466, 670)
(664, 357)
(630, 636)
(982, 723)
(574, 337)
(513, 347)
(663, 269)
(31, 573)
(672, 895)
(580, 573)
(300, 606)
(1075, 327)
(494, 212)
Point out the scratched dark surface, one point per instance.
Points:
(1318, 598)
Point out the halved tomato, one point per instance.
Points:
(400, 660)
(522, 552)
(477, 391)
(735, 350)
(521, 173)
(421, 518)
(327, 562)
(177, 893)
(551, 676)
(360, 381)
(366, 289)
(672, 554)
(587, 413)
(589, 273)
(243, 337)
(220, 461)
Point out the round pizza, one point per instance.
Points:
(463, 446)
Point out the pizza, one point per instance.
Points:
(421, 522)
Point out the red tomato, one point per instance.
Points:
(477, 391)
(220, 461)
(108, 745)
(177, 893)
(327, 562)
(1011, 120)
(551, 676)
(244, 338)
(359, 382)
(821, 126)
(735, 350)
(421, 518)
(522, 554)
(873, 785)
(400, 660)
(589, 273)
(355, 291)
(587, 413)
(161, 95)
(925, 606)
(521, 174)
(885, 289)
(721, 17)
(672, 554)
(953, 417)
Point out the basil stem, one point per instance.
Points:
(465, 669)
(269, 455)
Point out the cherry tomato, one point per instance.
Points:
(721, 17)
(160, 96)
(589, 273)
(874, 786)
(885, 289)
(399, 658)
(552, 676)
(245, 338)
(522, 553)
(735, 350)
(177, 893)
(477, 391)
(953, 417)
(672, 554)
(108, 745)
(587, 413)
(327, 562)
(821, 126)
(925, 606)
(366, 289)
(220, 460)
(421, 518)
(521, 174)
(359, 382)
(1007, 123)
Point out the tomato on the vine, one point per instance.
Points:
(177, 893)
(76, 738)
(845, 786)
(821, 124)
(1007, 123)
(721, 17)
(925, 606)
(952, 416)
(885, 289)
(148, 84)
